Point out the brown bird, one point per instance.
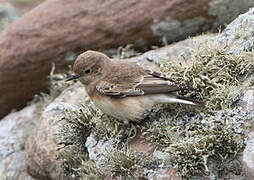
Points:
(125, 90)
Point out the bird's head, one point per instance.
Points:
(89, 66)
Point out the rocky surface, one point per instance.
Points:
(14, 130)
(238, 36)
(45, 35)
(56, 150)
(43, 147)
(248, 154)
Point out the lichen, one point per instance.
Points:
(196, 140)
(106, 126)
(88, 171)
(215, 75)
(71, 140)
(198, 143)
(205, 141)
(216, 142)
(124, 163)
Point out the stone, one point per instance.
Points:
(238, 36)
(14, 131)
(44, 148)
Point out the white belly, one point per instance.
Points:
(125, 109)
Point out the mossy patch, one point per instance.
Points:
(205, 141)
(216, 142)
(215, 75)
(195, 140)
(124, 163)
(88, 171)
(71, 138)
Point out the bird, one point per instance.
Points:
(125, 90)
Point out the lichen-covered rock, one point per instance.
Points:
(44, 143)
(188, 142)
(51, 145)
(59, 36)
(14, 130)
(248, 154)
(238, 36)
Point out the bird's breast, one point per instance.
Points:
(125, 109)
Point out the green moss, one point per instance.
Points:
(205, 141)
(214, 74)
(216, 142)
(199, 143)
(89, 171)
(106, 126)
(192, 144)
(159, 133)
(71, 138)
(124, 163)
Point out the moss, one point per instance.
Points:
(106, 126)
(216, 142)
(71, 138)
(88, 171)
(214, 74)
(159, 133)
(124, 163)
(199, 143)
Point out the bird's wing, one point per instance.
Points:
(120, 89)
(149, 83)
(157, 83)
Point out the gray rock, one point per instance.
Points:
(14, 130)
(238, 36)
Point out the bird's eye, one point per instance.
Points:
(88, 71)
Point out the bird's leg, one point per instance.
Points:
(124, 135)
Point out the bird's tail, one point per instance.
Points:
(190, 101)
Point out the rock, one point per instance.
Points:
(98, 150)
(248, 157)
(238, 36)
(14, 130)
(7, 16)
(171, 52)
(248, 153)
(44, 144)
(42, 36)
(45, 148)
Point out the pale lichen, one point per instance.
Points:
(215, 75)
(124, 163)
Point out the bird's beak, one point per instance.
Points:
(73, 77)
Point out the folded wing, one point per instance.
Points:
(150, 83)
